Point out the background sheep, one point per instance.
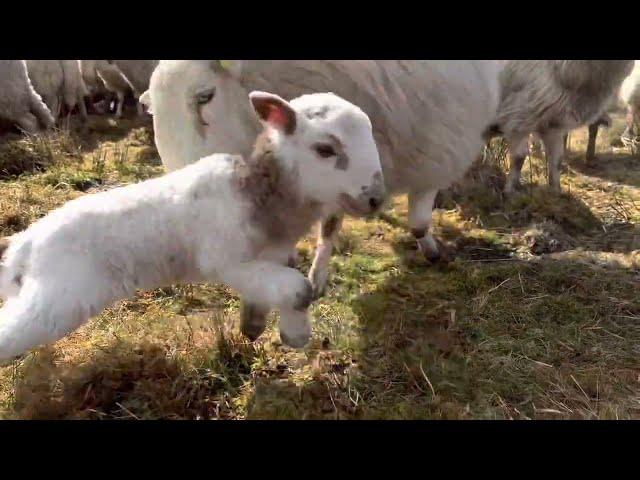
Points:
(629, 95)
(19, 102)
(137, 73)
(98, 73)
(550, 98)
(222, 218)
(427, 117)
(59, 82)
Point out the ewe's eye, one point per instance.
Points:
(325, 150)
(205, 97)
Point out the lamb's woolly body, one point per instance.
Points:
(19, 102)
(197, 221)
(219, 219)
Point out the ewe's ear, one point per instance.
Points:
(274, 111)
(234, 67)
(145, 99)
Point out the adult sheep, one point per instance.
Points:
(138, 74)
(59, 83)
(550, 98)
(629, 95)
(19, 102)
(428, 118)
(223, 218)
(102, 73)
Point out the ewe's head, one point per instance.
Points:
(329, 143)
(199, 107)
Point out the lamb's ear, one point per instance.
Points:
(275, 111)
(145, 99)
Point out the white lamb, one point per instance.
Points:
(19, 102)
(219, 219)
(59, 82)
(428, 118)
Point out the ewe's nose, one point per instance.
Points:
(376, 192)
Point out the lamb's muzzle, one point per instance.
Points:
(369, 201)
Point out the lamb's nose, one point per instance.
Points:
(374, 203)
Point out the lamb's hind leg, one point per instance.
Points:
(420, 215)
(267, 283)
(39, 314)
(327, 235)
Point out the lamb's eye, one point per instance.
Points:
(325, 150)
(205, 97)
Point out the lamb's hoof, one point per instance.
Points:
(253, 321)
(298, 341)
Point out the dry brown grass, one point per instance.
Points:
(537, 316)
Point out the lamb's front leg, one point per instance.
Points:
(420, 215)
(327, 235)
(253, 316)
(267, 283)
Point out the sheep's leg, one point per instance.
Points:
(518, 151)
(267, 283)
(553, 147)
(54, 105)
(120, 100)
(420, 215)
(629, 131)
(327, 235)
(82, 107)
(591, 142)
(565, 141)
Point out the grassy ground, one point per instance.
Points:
(537, 316)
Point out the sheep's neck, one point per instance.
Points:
(278, 209)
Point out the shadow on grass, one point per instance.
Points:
(128, 380)
(499, 339)
(618, 167)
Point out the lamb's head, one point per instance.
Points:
(328, 143)
(199, 107)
